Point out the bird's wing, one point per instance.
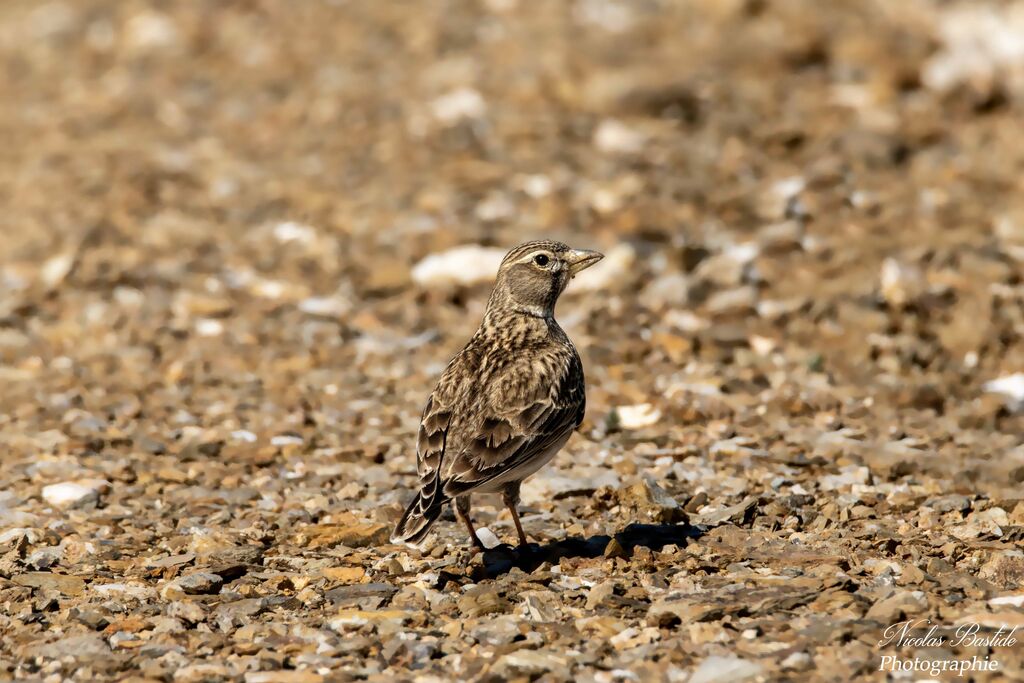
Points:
(526, 415)
(432, 439)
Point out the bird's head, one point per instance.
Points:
(533, 275)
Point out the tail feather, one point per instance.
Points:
(417, 520)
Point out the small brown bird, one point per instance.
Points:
(508, 402)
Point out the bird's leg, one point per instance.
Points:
(462, 512)
(510, 495)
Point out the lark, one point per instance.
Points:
(508, 402)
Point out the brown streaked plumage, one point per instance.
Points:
(508, 402)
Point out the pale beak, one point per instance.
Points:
(581, 259)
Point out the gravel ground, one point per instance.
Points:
(242, 239)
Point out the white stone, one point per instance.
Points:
(606, 273)
(537, 185)
(149, 30)
(325, 306)
(730, 668)
(290, 231)
(487, 537)
(466, 265)
(56, 269)
(459, 105)
(849, 475)
(31, 535)
(638, 416)
(1016, 600)
(208, 327)
(71, 493)
(1010, 386)
(901, 283)
(125, 590)
(797, 660)
(980, 44)
(550, 483)
(615, 137)
(788, 188)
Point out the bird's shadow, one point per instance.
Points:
(503, 558)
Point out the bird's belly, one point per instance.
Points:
(525, 469)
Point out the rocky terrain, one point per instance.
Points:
(240, 241)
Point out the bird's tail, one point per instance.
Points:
(417, 520)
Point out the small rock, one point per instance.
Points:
(186, 610)
(634, 637)
(728, 669)
(44, 558)
(600, 594)
(123, 591)
(86, 647)
(950, 503)
(615, 549)
(1005, 569)
(615, 137)
(345, 575)
(283, 676)
(651, 503)
(1011, 387)
(549, 484)
(481, 600)
(898, 606)
(359, 591)
(292, 231)
(608, 273)
(741, 300)
(70, 494)
(353, 619)
(459, 105)
(542, 606)
(62, 583)
(487, 537)
(198, 583)
(737, 514)
(798, 661)
(1013, 600)
(637, 416)
(350, 532)
(466, 265)
(202, 673)
(901, 283)
(56, 268)
(850, 475)
(532, 663)
(91, 618)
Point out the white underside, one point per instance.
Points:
(524, 470)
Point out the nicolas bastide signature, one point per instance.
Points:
(908, 634)
(902, 634)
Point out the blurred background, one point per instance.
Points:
(213, 212)
(240, 239)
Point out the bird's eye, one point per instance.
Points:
(540, 259)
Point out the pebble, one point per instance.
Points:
(719, 669)
(197, 583)
(70, 494)
(457, 105)
(1011, 387)
(615, 137)
(607, 274)
(466, 265)
(637, 416)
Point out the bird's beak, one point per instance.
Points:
(581, 259)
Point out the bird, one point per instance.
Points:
(508, 401)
